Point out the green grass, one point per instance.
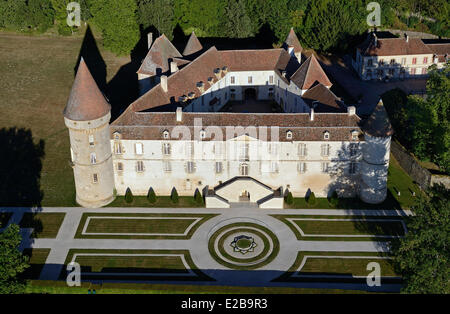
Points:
(359, 227)
(60, 287)
(37, 258)
(4, 218)
(161, 201)
(132, 265)
(46, 225)
(338, 266)
(168, 226)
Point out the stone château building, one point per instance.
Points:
(238, 125)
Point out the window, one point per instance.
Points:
(391, 72)
(244, 151)
(272, 149)
(117, 148)
(91, 139)
(243, 170)
(274, 166)
(326, 135)
(353, 148)
(369, 62)
(167, 166)
(116, 135)
(189, 148)
(95, 178)
(413, 71)
(139, 148)
(139, 166)
(425, 60)
(325, 150)
(166, 135)
(414, 60)
(392, 61)
(424, 71)
(250, 80)
(190, 167)
(219, 167)
(93, 158)
(202, 134)
(381, 62)
(302, 149)
(166, 148)
(403, 61)
(324, 167)
(270, 79)
(232, 80)
(120, 166)
(352, 169)
(355, 135)
(217, 148)
(289, 134)
(301, 167)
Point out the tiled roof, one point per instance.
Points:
(326, 100)
(151, 125)
(86, 101)
(255, 60)
(292, 41)
(310, 73)
(157, 59)
(440, 50)
(378, 123)
(193, 45)
(393, 47)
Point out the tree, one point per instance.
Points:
(237, 23)
(311, 198)
(40, 14)
(60, 7)
(174, 196)
(151, 196)
(12, 262)
(289, 199)
(157, 13)
(423, 255)
(198, 197)
(117, 21)
(128, 196)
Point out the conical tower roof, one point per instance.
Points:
(193, 45)
(292, 41)
(378, 123)
(309, 73)
(86, 101)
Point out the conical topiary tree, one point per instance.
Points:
(289, 199)
(311, 199)
(151, 196)
(128, 196)
(198, 197)
(174, 196)
(334, 199)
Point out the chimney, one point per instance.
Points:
(201, 87)
(149, 39)
(283, 73)
(375, 40)
(179, 114)
(351, 110)
(311, 115)
(406, 37)
(164, 83)
(173, 67)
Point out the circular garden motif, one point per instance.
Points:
(243, 245)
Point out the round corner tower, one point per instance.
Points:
(87, 116)
(376, 150)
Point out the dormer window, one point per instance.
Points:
(91, 139)
(166, 135)
(289, 135)
(139, 148)
(326, 135)
(355, 135)
(202, 134)
(116, 136)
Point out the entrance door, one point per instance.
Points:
(250, 94)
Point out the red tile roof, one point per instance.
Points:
(393, 47)
(86, 101)
(292, 41)
(309, 74)
(193, 45)
(323, 100)
(378, 123)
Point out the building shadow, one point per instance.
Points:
(20, 168)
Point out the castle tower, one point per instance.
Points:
(87, 116)
(376, 149)
(292, 45)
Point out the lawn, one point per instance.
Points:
(46, 225)
(161, 201)
(338, 226)
(169, 226)
(329, 264)
(37, 258)
(37, 73)
(398, 180)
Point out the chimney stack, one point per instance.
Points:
(149, 39)
(179, 114)
(351, 110)
(406, 37)
(311, 115)
(164, 83)
(173, 67)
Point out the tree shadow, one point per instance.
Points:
(20, 168)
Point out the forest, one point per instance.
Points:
(323, 25)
